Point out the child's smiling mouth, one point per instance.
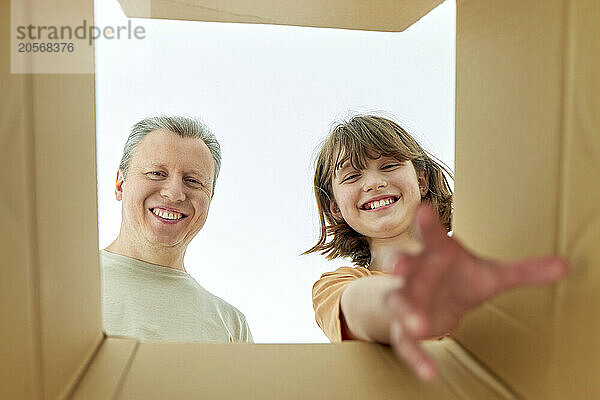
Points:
(380, 202)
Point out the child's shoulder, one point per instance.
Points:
(351, 272)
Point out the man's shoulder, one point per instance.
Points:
(230, 315)
(225, 308)
(108, 259)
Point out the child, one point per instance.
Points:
(411, 281)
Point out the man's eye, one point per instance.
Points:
(155, 173)
(194, 181)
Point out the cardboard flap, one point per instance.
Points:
(50, 286)
(386, 15)
(105, 375)
(296, 371)
(527, 169)
(576, 346)
(508, 137)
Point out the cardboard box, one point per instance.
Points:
(527, 183)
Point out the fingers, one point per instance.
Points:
(406, 327)
(408, 349)
(415, 322)
(529, 272)
(424, 273)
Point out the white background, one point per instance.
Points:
(270, 94)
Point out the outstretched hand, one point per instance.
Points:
(444, 282)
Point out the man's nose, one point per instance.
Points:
(173, 190)
(374, 181)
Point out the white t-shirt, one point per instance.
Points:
(155, 303)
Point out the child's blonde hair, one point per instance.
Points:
(362, 137)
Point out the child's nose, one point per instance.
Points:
(374, 182)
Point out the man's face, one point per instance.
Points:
(167, 192)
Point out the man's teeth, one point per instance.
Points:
(380, 203)
(167, 215)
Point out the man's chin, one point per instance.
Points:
(167, 242)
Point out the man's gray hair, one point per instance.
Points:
(182, 126)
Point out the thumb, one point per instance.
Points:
(532, 271)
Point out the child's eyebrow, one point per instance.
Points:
(341, 167)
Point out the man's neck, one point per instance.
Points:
(383, 251)
(165, 257)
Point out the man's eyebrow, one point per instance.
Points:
(153, 164)
(203, 177)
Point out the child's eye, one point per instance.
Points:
(350, 177)
(388, 166)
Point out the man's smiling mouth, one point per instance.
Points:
(167, 214)
(379, 203)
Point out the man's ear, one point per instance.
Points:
(423, 181)
(119, 186)
(335, 210)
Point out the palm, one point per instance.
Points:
(445, 281)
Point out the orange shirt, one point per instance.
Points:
(327, 294)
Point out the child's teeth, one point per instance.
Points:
(376, 204)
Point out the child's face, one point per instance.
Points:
(379, 201)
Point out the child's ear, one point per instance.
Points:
(335, 210)
(119, 186)
(423, 181)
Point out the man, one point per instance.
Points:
(166, 181)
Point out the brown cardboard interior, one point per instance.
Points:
(127, 369)
(510, 211)
(50, 317)
(383, 15)
(527, 150)
(527, 162)
(576, 347)
(110, 367)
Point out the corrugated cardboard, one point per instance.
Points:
(528, 173)
(527, 184)
(510, 78)
(50, 294)
(576, 346)
(125, 369)
(381, 15)
(77, 55)
(110, 367)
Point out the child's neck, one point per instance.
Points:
(384, 250)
